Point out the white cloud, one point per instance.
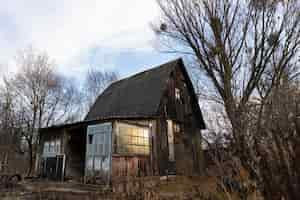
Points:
(66, 29)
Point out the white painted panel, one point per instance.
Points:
(171, 141)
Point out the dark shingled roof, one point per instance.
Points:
(137, 96)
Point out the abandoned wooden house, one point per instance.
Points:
(146, 125)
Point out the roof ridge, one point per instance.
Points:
(114, 97)
(147, 70)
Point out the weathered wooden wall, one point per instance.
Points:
(133, 166)
(188, 151)
(127, 165)
(161, 141)
(73, 143)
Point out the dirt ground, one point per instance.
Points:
(152, 188)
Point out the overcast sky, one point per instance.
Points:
(113, 35)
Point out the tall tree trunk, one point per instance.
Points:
(30, 149)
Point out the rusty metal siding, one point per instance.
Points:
(130, 166)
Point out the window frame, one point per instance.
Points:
(177, 128)
(177, 94)
(136, 140)
(52, 147)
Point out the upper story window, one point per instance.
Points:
(177, 94)
(176, 128)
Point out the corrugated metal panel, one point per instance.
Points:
(98, 152)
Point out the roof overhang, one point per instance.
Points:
(85, 123)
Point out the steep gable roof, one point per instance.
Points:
(138, 96)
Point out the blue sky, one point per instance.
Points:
(78, 34)
(114, 35)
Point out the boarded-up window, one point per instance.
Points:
(132, 139)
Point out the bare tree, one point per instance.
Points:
(95, 82)
(244, 48)
(40, 97)
(9, 140)
(275, 140)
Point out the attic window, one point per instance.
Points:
(177, 94)
(176, 127)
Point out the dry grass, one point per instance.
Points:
(175, 188)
